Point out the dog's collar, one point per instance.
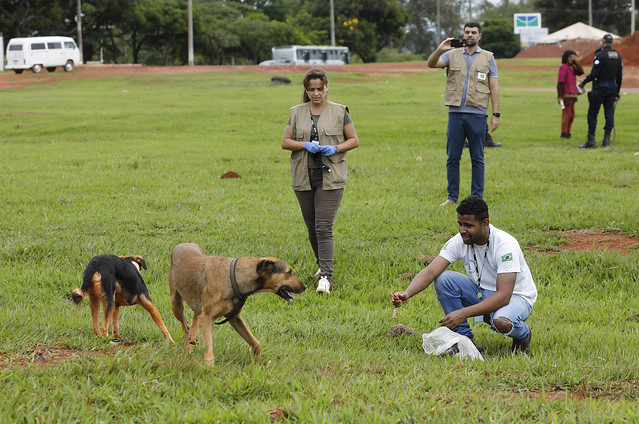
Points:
(236, 289)
(237, 292)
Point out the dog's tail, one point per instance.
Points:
(77, 296)
(87, 280)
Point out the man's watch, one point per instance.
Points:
(496, 114)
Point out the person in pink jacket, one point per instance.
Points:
(567, 91)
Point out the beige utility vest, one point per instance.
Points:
(330, 129)
(478, 94)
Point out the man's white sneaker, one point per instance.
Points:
(316, 276)
(323, 285)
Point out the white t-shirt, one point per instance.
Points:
(503, 256)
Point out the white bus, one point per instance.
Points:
(309, 55)
(36, 53)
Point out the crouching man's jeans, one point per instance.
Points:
(455, 291)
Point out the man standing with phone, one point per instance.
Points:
(471, 85)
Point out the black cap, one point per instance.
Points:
(607, 38)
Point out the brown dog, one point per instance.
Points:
(205, 283)
(113, 281)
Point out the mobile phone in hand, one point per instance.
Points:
(457, 42)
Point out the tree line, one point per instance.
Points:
(154, 32)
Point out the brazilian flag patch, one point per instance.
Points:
(507, 257)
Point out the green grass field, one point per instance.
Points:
(132, 165)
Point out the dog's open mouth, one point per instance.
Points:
(285, 294)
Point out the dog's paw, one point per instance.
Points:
(257, 350)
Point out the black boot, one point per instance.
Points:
(606, 140)
(489, 142)
(590, 142)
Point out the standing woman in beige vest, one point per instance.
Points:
(318, 134)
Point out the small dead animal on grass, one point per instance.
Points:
(399, 330)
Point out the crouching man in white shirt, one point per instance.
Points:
(499, 287)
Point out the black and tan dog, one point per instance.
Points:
(215, 286)
(113, 281)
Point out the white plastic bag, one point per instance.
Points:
(441, 339)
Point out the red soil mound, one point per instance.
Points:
(628, 47)
(586, 49)
(230, 174)
(580, 46)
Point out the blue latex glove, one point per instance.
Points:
(328, 149)
(312, 146)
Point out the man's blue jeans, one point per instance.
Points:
(462, 126)
(455, 291)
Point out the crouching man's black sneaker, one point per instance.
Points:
(521, 345)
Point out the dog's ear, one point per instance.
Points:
(264, 267)
(141, 261)
(135, 258)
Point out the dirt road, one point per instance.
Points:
(9, 80)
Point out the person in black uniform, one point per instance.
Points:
(489, 142)
(606, 75)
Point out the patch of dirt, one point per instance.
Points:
(45, 356)
(618, 390)
(588, 239)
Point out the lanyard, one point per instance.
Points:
(483, 263)
(315, 137)
(314, 133)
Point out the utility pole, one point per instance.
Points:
(332, 23)
(439, 28)
(590, 12)
(78, 14)
(632, 18)
(190, 29)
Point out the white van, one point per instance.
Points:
(36, 53)
(308, 55)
